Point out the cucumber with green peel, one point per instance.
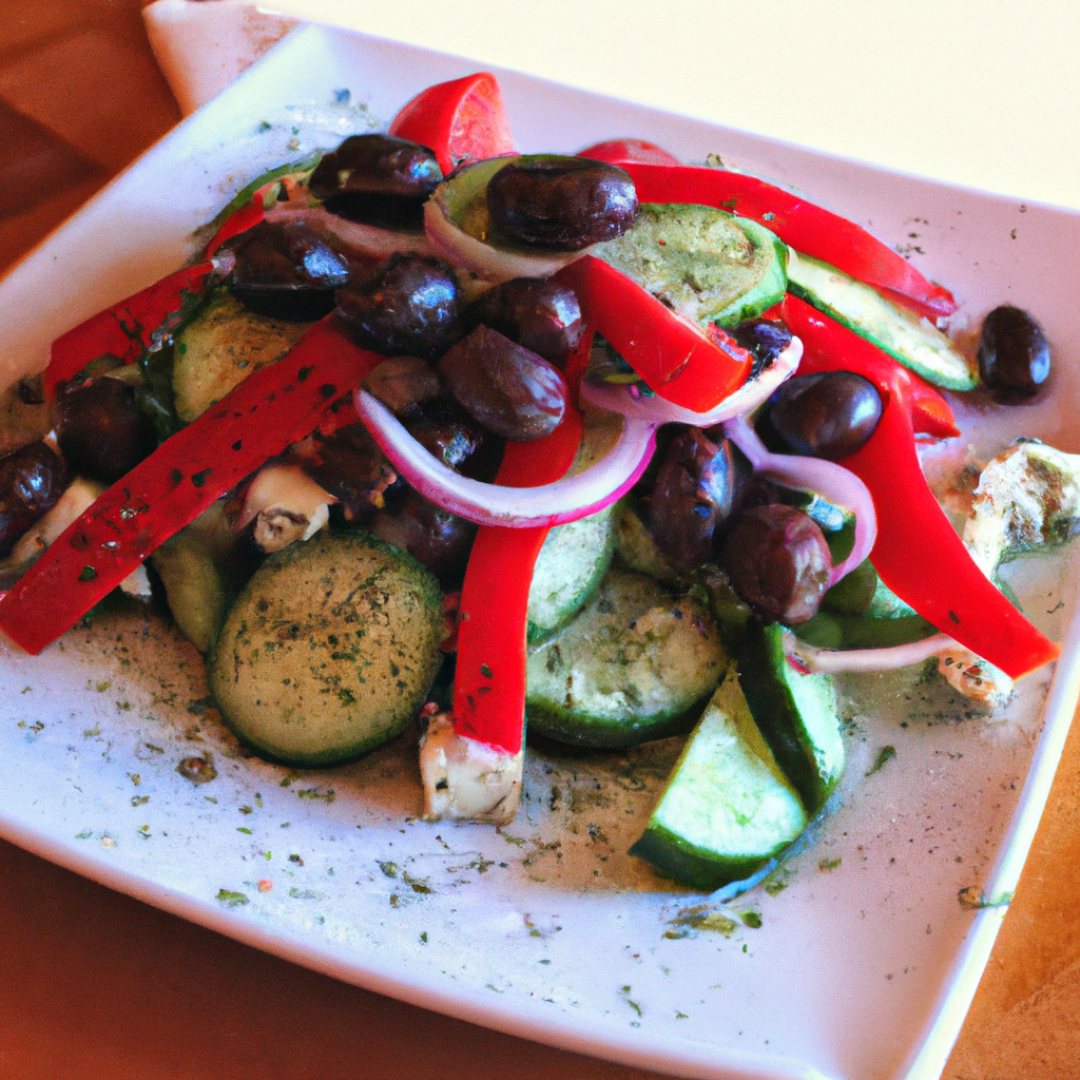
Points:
(220, 346)
(907, 337)
(705, 264)
(329, 651)
(797, 714)
(573, 561)
(728, 807)
(637, 663)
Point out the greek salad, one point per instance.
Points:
(604, 446)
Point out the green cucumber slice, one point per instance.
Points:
(329, 651)
(797, 714)
(705, 264)
(636, 664)
(573, 561)
(728, 807)
(907, 337)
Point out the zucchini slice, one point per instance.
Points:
(220, 347)
(907, 337)
(636, 664)
(728, 808)
(329, 651)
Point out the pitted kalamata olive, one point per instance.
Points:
(561, 203)
(453, 440)
(285, 270)
(407, 306)
(377, 179)
(542, 315)
(350, 466)
(403, 383)
(31, 480)
(1014, 357)
(764, 339)
(692, 495)
(826, 415)
(505, 387)
(101, 431)
(439, 539)
(778, 562)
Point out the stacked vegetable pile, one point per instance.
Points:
(465, 361)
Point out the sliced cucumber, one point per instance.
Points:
(573, 561)
(705, 264)
(636, 664)
(728, 807)
(797, 714)
(197, 566)
(907, 337)
(329, 651)
(220, 347)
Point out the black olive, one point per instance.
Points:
(101, 431)
(31, 481)
(377, 179)
(505, 387)
(285, 270)
(778, 562)
(692, 495)
(438, 538)
(827, 414)
(561, 203)
(542, 315)
(407, 306)
(764, 339)
(1014, 357)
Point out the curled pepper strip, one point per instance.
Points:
(272, 408)
(462, 121)
(489, 680)
(675, 358)
(918, 553)
(805, 227)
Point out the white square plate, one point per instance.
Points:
(857, 961)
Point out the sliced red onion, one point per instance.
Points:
(812, 659)
(487, 262)
(827, 478)
(356, 236)
(568, 499)
(656, 410)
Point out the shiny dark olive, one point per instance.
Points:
(764, 339)
(285, 270)
(439, 539)
(1014, 356)
(455, 440)
(778, 562)
(403, 383)
(827, 414)
(407, 306)
(377, 179)
(692, 495)
(351, 467)
(542, 315)
(31, 481)
(101, 431)
(561, 203)
(504, 387)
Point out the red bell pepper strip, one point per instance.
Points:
(462, 121)
(273, 407)
(918, 553)
(674, 357)
(489, 680)
(807, 228)
(618, 151)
